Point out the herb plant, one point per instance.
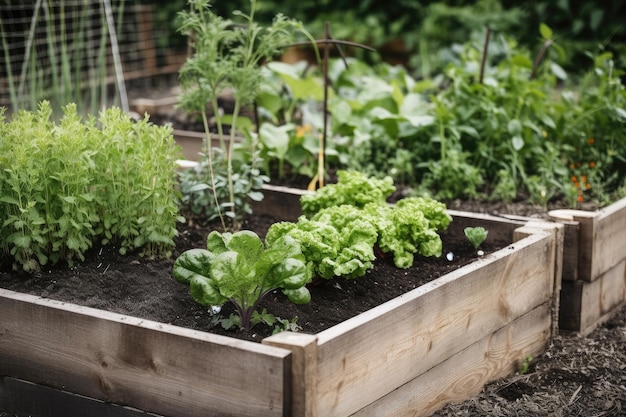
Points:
(66, 185)
(239, 268)
(227, 55)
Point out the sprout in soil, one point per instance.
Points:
(476, 235)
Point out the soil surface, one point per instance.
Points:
(576, 376)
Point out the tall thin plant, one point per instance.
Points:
(227, 56)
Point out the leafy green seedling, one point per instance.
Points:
(237, 267)
(476, 235)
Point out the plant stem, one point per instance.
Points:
(209, 155)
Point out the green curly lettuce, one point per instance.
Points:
(336, 242)
(352, 187)
(408, 228)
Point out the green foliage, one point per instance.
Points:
(205, 197)
(227, 55)
(344, 227)
(239, 268)
(410, 226)
(66, 185)
(335, 242)
(352, 187)
(476, 235)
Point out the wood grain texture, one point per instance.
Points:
(303, 372)
(464, 374)
(601, 239)
(374, 353)
(125, 360)
(585, 305)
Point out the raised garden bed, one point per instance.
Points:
(594, 265)
(438, 343)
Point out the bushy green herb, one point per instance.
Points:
(66, 185)
(239, 268)
(336, 242)
(476, 235)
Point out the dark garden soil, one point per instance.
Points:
(576, 376)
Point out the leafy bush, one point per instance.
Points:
(66, 185)
(352, 187)
(348, 219)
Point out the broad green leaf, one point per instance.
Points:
(203, 292)
(191, 263)
(276, 137)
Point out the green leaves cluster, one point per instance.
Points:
(68, 184)
(350, 218)
(353, 187)
(239, 268)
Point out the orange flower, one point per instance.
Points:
(574, 179)
(590, 141)
(583, 178)
(592, 164)
(588, 186)
(580, 199)
(571, 165)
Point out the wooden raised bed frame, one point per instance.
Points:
(594, 266)
(437, 344)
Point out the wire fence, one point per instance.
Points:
(81, 51)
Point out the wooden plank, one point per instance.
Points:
(557, 231)
(610, 238)
(282, 202)
(304, 369)
(585, 305)
(372, 354)
(148, 365)
(463, 375)
(571, 249)
(26, 398)
(602, 237)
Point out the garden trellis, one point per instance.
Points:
(78, 51)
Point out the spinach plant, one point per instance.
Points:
(227, 55)
(239, 268)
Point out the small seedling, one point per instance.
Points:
(476, 235)
(526, 365)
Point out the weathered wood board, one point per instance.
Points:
(585, 305)
(29, 399)
(381, 350)
(129, 361)
(464, 374)
(601, 239)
